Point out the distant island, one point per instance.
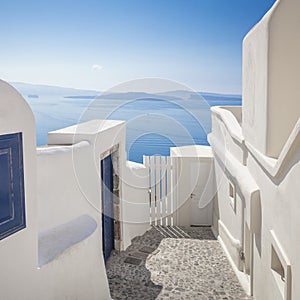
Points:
(33, 96)
(80, 97)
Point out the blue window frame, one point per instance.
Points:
(12, 202)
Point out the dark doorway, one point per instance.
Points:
(107, 206)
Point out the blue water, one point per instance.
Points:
(153, 124)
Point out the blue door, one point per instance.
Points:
(12, 200)
(107, 206)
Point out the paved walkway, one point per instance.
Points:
(173, 263)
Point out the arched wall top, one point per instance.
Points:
(15, 113)
(19, 250)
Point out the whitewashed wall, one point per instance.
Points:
(192, 185)
(271, 78)
(261, 160)
(136, 217)
(264, 219)
(235, 213)
(69, 186)
(280, 219)
(59, 253)
(271, 112)
(18, 252)
(60, 195)
(60, 200)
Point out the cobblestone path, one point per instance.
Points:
(173, 263)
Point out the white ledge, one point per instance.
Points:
(230, 122)
(87, 131)
(240, 173)
(53, 242)
(53, 150)
(243, 179)
(234, 242)
(194, 151)
(273, 166)
(134, 165)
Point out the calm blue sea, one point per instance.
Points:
(154, 124)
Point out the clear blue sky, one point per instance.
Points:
(97, 44)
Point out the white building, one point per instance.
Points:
(256, 150)
(246, 185)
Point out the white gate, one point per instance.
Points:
(160, 196)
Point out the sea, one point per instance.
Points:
(154, 122)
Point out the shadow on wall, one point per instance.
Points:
(291, 159)
(215, 210)
(257, 234)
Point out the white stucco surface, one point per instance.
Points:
(193, 151)
(271, 78)
(61, 185)
(136, 217)
(18, 252)
(55, 241)
(71, 134)
(265, 222)
(71, 164)
(67, 200)
(192, 184)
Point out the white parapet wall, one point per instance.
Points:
(70, 193)
(256, 210)
(193, 188)
(69, 223)
(60, 198)
(236, 207)
(58, 255)
(271, 75)
(136, 216)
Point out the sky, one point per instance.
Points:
(95, 44)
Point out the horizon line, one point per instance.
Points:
(140, 91)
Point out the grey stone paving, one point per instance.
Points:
(173, 263)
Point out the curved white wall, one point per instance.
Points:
(266, 213)
(284, 74)
(60, 200)
(18, 252)
(271, 72)
(270, 149)
(69, 186)
(56, 183)
(255, 79)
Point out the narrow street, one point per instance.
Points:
(173, 263)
